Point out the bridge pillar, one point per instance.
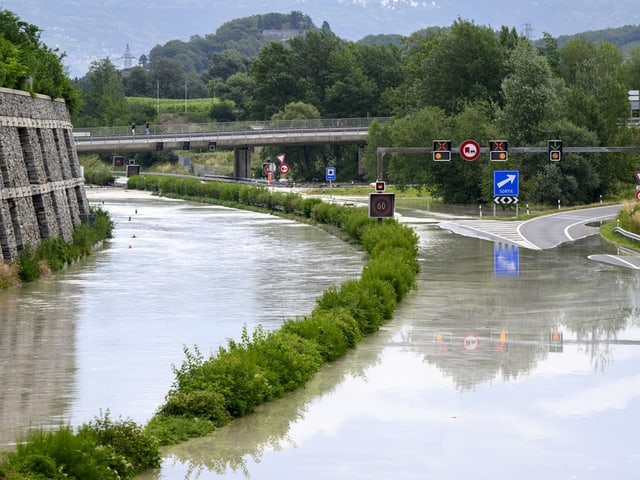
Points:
(361, 152)
(242, 162)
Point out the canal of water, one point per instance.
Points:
(503, 363)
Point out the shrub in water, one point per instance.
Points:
(133, 451)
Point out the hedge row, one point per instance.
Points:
(209, 392)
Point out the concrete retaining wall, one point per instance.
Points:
(42, 190)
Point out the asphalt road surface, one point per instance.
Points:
(547, 231)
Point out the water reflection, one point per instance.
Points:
(535, 375)
(37, 360)
(103, 334)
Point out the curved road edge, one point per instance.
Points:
(547, 231)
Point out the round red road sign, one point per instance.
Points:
(284, 168)
(470, 342)
(638, 195)
(469, 150)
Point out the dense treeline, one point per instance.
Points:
(28, 64)
(464, 81)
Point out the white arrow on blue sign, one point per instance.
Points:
(506, 183)
(506, 259)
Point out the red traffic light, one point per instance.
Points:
(442, 150)
(498, 150)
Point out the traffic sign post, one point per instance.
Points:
(442, 150)
(330, 175)
(498, 151)
(506, 188)
(506, 182)
(555, 150)
(381, 205)
(469, 150)
(283, 168)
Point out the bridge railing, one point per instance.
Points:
(222, 127)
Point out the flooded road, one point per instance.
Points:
(504, 363)
(104, 333)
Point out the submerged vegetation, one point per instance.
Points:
(103, 449)
(264, 366)
(259, 367)
(53, 254)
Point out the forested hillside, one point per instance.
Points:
(463, 81)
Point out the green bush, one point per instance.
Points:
(334, 332)
(55, 252)
(629, 218)
(172, 429)
(394, 266)
(29, 269)
(263, 367)
(59, 454)
(133, 450)
(205, 404)
(287, 361)
(357, 222)
(355, 298)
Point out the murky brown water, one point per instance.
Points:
(504, 363)
(104, 334)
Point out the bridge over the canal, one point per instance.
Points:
(239, 136)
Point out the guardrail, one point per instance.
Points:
(227, 127)
(627, 234)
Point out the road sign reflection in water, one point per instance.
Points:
(506, 259)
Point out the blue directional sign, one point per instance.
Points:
(506, 183)
(506, 259)
(331, 174)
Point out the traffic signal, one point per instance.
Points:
(555, 150)
(380, 186)
(498, 151)
(556, 341)
(442, 150)
(442, 341)
(500, 341)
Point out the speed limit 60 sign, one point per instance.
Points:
(381, 205)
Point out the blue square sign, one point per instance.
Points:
(506, 183)
(331, 174)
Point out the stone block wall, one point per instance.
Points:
(42, 190)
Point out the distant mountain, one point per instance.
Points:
(89, 31)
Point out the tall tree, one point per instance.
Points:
(167, 75)
(527, 92)
(28, 64)
(277, 83)
(450, 68)
(104, 100)
(313, 54)
(597, 98)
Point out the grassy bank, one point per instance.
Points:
(628, 219)
(53, 254)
